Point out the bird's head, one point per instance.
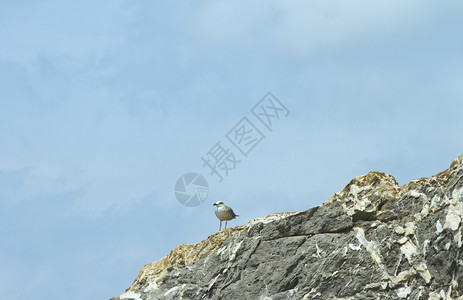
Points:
(218, 203)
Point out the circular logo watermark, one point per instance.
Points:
(191, 189)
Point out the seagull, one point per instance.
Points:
(224, 213)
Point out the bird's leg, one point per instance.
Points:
(226, 222)
(220, 227)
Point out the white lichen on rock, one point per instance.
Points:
(371, 240)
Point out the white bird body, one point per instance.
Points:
(224, 213)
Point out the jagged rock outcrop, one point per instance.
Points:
(372, 240)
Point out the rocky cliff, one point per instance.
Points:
(372, 240)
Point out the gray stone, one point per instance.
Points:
(372, 240)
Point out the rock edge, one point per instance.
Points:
(371, 240)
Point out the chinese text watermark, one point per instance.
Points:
(192, 189)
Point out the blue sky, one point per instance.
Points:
(104, 104)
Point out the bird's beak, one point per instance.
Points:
(214, 204)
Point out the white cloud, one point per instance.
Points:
(108, 134)
(36, 28)
(303, 27)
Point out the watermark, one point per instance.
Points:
(192, 189)
(245, 136)
(269, 110)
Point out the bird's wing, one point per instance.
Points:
(230, 210)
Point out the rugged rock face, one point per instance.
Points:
(372, 240)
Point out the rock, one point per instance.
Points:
(372, 240)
